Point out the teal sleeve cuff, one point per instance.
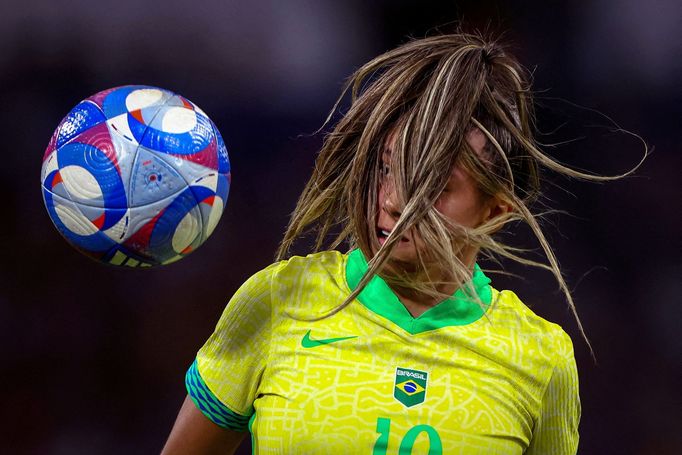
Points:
(210, 405)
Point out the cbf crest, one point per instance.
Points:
(410, 386)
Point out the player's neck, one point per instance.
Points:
(416, 307)
(417, 303)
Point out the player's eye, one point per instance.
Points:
(385, 170)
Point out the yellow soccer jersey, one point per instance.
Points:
(372, 379)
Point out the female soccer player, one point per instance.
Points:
(401, 345)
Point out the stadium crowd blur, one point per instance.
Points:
(93, 357)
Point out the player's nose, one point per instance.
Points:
(390, 204)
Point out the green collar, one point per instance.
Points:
(377, 296)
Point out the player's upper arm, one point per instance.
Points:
(194, 433)
(556, 428)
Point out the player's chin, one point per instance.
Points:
(402, 249)
(403, 258)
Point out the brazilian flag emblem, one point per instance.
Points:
(410, 386)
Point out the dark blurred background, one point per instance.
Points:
(93, 357)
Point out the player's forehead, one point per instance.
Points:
(474, 137)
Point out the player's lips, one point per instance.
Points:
(383, 233)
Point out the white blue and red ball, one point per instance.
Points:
(136, 176)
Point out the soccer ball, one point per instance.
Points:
(136, 176)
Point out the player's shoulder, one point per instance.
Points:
(324, 262)
(549, 337)
(313, 266)
(321, 272)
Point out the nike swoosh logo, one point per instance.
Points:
(308, 342)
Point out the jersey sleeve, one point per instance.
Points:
(224, 378)
(556, 429)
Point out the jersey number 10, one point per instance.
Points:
(384, 428)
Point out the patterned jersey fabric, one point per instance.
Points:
(476, 374)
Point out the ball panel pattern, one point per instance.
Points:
(153, 179)
(183, 143)
(223, 159)
(74, 225)
(136, 176)
(94, 163)
(81, 118)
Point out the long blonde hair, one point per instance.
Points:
(426, 95)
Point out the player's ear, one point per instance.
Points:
(497, 206)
